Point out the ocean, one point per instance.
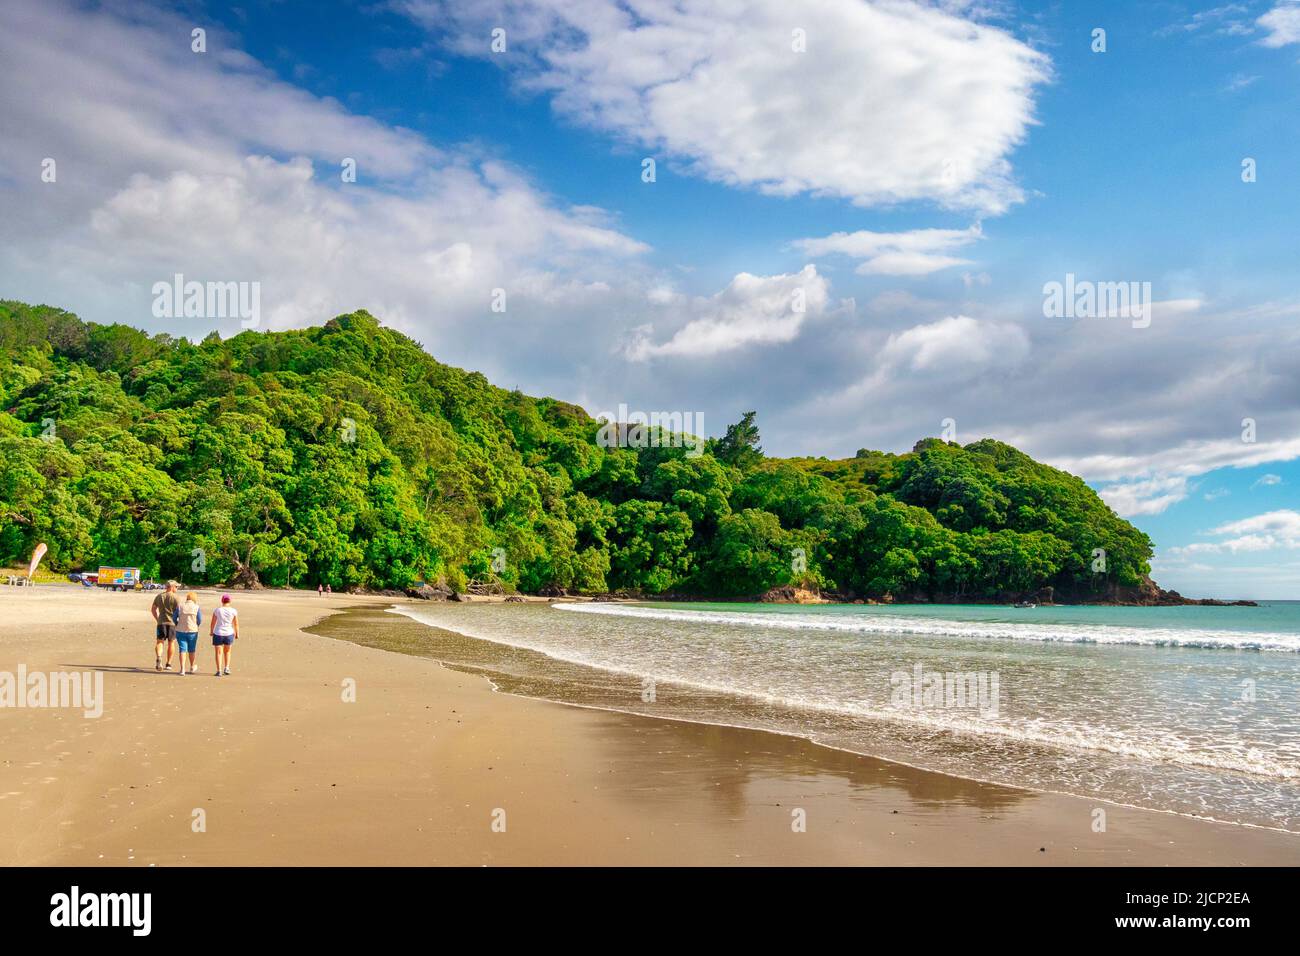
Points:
(1191, 710)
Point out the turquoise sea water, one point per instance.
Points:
(1187, 709)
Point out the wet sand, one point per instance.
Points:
(429, 765)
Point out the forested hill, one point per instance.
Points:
(345, 454)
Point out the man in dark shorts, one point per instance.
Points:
(164, 611)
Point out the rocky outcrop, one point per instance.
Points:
(1145, 594)
(1148, 594)
(430, 592)
(789, 594)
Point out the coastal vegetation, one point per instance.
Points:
(346, 454)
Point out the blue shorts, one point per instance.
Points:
(220, 640)
(188, 640)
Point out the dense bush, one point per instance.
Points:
(345, 454)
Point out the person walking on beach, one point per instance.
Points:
(225, 631)
(188, 619)
(164, 611)
(320, 590)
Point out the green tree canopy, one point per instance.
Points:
(345, 454)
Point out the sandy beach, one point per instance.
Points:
(428, 765)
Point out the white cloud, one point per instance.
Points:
(1186, 458)
(913, 253)
(1173, 308)
(1282, 25)
(1240, 81)
(954, 342)
(208, 165)
(1273, 530)
(1224, 20)
(893, 101)
(1155, 494)
(751, 310)
(1149, 497)
(1283, 524)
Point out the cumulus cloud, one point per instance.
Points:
(1282, 526)
(892, 101)
(1149, 497)
(208, 165)
(913, 253)
(1185, 458)
(957, 341)
(1266, 532)
(148, 186)
(752, 310)
(1281, 25)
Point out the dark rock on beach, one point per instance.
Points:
(430, 592)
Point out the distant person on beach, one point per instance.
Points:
(320, 590)
(328, 589)
(225, 631)
(188, 619)
(164, 611)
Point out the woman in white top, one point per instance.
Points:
(225, 631)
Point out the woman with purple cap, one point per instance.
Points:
(225, 631)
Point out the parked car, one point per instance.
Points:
(154, 586)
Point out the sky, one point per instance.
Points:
(845, 215)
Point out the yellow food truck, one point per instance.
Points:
(119, 579)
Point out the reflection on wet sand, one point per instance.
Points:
(726, 764)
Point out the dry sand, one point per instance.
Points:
(419, 767)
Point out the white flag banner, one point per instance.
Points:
(36, 559)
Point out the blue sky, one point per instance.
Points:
(917, 175)
(1149, 134)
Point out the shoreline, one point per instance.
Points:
(616, 598)
(498, 680)
(413, 770)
